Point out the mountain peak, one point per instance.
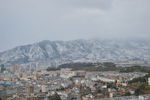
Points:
(51, 53)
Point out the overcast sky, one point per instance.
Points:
(28, 21)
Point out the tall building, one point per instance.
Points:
(44, 88)
(149, 81)
(30, 89)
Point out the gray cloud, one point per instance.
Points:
(28, 21)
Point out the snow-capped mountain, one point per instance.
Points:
(53, 53)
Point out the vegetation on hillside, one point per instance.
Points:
(106, 66)
(136, 69)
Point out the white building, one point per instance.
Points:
(149, 81)
(44, 88)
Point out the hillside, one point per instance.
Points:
(53, 53)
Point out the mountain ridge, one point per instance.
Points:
(53, 53)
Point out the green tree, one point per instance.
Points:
(138, 92)
(127, 94)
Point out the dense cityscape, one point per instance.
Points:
(22, 83)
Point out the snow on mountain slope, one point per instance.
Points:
(57, 52)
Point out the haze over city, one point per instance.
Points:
(28, 21)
